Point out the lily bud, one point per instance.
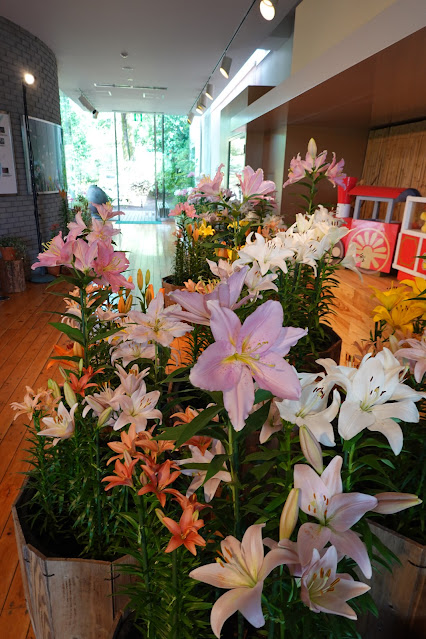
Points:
(196, 235)
(195, 515)
(312, 148)
(189, 229)
(78, 350)
(80, 366)
(70, 397)
(130, 279)
(121, 305)
(63, 373)
(140, 279)
(54, 387)
(104, 416)
(290, 514)
(390, 503)
(147, 276)
(128, 304)
(159, 514)
(311, 449)
(149, 294)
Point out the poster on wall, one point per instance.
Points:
(48, 153)
(8, 184)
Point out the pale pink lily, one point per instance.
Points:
(158, 324)
(242, 571)
(137, 409)
(99, 402)
(324, 590)
(211, 485)
(222, 269)
(273, 422)
(390, 503)
(254, 350)
(61, 426)
(130, 351)
(415, 354)
(334, 172)
(77, 227)
(101, 231)
(58, 253)
(196, 305)
(105, 211)
(252, 185)
(131, 381)
(109, 265)
(30, 404)
(184, 208)
(322, 498)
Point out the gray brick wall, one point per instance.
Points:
(22, 52)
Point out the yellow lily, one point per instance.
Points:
(389, 299)
(400, 317)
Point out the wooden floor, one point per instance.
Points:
(26, 343)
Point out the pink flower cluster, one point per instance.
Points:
(183, 208)
(315, 165)
(90, 251)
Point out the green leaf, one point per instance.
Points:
(185, 431)
(255, 421)
(264, 455)
(215, 466)
(72, 333)
(262, 396)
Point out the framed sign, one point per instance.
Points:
(8, 184)
(48, 153)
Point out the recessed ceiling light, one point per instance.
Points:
(129, 79)
(124, 54)
(127, 68)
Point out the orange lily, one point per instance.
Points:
(79, 385)
(185, 532)
(128, 444)
(123, 473)
(159, 480)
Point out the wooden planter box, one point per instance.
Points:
(400, 596)
(169, 288)
(69, 598)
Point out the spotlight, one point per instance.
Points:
(85, 102)
(95, 114)
(267, 9)
(225, 66)
(201, 105)
(29, 78)
(190, 117)
(209, 91)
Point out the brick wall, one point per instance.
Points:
(21, 52)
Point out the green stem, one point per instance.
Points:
(98, 490)
(84, 327)
(175, 581)
(350, 468)
(140, 506)
(234, 464)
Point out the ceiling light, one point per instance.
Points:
(201, 105)
(267, 9)
(129, 79)
(128, 68)
(29, 78)
(190, 117)
(124, 54)
(225, 66)
(209, 91)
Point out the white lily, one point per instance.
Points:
(256, 283)
(137, 409)
(130, 351)
(269, 254)
(156, 324)
(61, 426)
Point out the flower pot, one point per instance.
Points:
(8, 253)
(400, 596)
(54, 270)
(169, 288)
(12, 276)
(123, 628)
(67, 598)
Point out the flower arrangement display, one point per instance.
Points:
(240, 482)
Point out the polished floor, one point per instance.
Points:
(26, 343)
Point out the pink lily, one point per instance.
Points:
(296, 171)
(416, 355)
(335, 173)
(109, 266)
(85, 255)
(324, 590)
(197, 309)
(254, 350)
(184, 208)
(208, 187)
(58, 253)
(322, 497)
(242, 570)
(314, 163)
(137, 409)
(101, 231)
(77, 227)
(105, 211)
(199, 457)
(390, 503)
(252, 184)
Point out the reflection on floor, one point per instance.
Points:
(148, 246)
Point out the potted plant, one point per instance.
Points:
(12, 248)
(12, 275)
(68, 542)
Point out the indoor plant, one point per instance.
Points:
(12, 248)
